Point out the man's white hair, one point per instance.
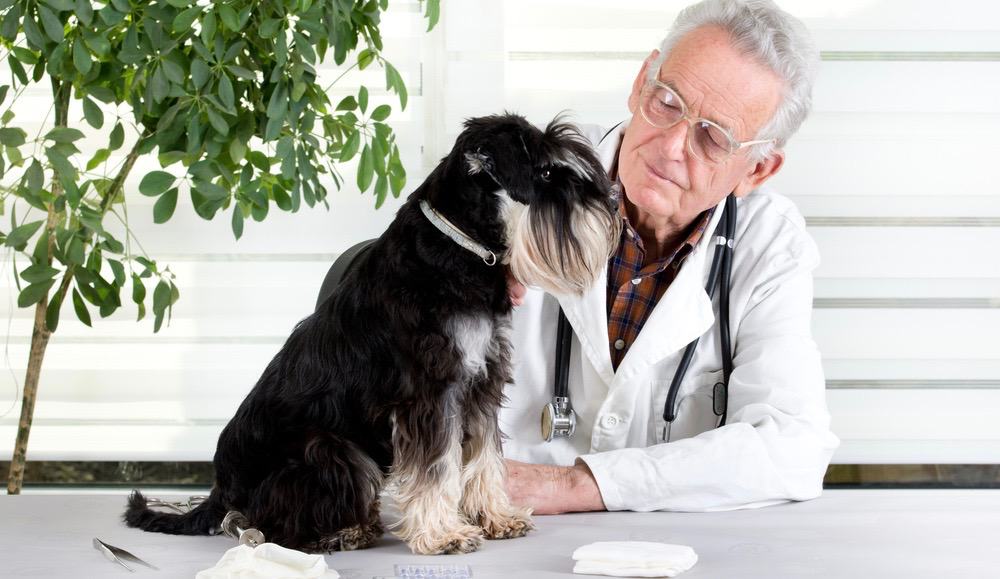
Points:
(776, 39)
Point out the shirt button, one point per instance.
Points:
(637, 281)
(610, 421)
(619, 344)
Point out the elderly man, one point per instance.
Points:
(711, 111)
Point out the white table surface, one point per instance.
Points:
(846, 533)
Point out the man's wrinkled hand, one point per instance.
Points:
(550, 490)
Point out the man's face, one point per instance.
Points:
(661, 178)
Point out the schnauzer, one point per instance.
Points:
(398, 377)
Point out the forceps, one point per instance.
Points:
(115, 555)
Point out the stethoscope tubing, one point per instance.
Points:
(721, 266)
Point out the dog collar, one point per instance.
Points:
(457, 235)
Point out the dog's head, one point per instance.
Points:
(555, 197)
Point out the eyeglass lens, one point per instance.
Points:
(662, 107)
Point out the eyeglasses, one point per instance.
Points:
(662, 107)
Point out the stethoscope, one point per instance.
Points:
(558, 417)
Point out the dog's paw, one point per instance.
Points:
(464, 539)
(508, 525)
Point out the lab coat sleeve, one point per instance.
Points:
(776, 444)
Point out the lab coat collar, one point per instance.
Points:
(684, 312)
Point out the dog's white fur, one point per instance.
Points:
(597, 237)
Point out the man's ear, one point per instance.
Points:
(760, 172)
(640, 80)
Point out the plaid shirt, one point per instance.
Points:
(634, 290)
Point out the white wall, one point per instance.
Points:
(894, 171)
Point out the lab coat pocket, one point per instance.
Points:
(694, 409)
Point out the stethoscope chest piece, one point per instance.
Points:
(558, 419)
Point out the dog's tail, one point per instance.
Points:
(203, 519)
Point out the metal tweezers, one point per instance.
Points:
(115, 555)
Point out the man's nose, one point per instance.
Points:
(673, 141)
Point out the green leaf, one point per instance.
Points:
(211, 191)
(93, 113)
(226, 94)
(97, 43)
(99, 157)
(84, 11)
(269, 28)
(11, 21)
(50, 22)
(64, 135)
(24, 55)
(159, 84)
(381, 112)
(348, 103)
(209, 24)
(74, 254)
(217, 121)
(259, 160)
(237, 150)
(163, 210)
(81, 58)
(184, 20)
(381, 188)
(34, 177)
(155, 183)
(395, 82)
(33, 33)
(17, 69)
(243, 73)
(199, 73)
(60, 5)
(351, 146)
(174, 71)
(52, 312)
(278, 104)
(363, 98)
(433, 13)
(34, 293)
(81, 308)
(229, 18)
(39, 272)
(139, 295)
(237, 222)
(365, 57)
(161, 297)
(19, 236)
(12, 136)
(366, 169)
(119, 271)
(117, 137)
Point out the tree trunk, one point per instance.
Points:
(39, 340)
(40, 334)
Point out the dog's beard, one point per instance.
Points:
(561, 254)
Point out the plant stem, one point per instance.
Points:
(40, 334)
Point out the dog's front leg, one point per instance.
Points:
(426, 475)
(484, 500)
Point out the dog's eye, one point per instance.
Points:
(546, 175)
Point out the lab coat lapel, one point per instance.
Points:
(682, 314)
(588, 315)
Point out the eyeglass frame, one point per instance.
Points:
(734, 145)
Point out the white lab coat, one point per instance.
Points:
(776, 444)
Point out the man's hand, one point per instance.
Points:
(515, 290)
(550, 490)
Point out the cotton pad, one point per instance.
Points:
(633, 559)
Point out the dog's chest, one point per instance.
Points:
(473, 337)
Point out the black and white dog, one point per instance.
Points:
(398, 377)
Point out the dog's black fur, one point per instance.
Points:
(373, 382)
